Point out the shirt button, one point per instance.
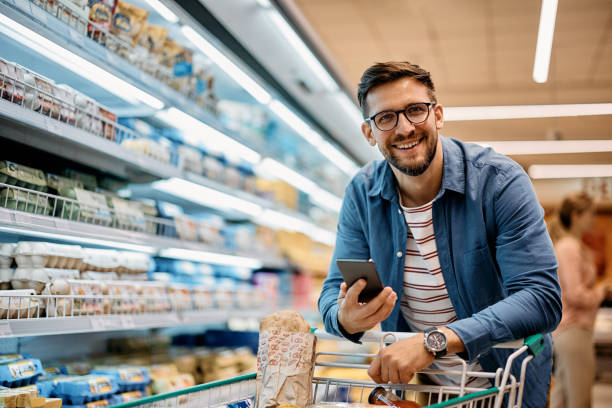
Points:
(399, 254)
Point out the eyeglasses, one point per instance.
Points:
(415, 113)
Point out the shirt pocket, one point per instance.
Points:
(481, 280)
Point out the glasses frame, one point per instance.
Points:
(397, 112)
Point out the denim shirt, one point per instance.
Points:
(496, 256)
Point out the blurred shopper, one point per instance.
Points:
(573, 340)
(455, 231)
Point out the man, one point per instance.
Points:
(457, 235)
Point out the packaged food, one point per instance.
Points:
(20, 373)
(57, 306)
(128, 21)
(100, 18)
(53, 402)
(39, 95)
(100, 260)
(6, 255)
(99, 276)
(89, 180)
(213, 168)
(18, 304)
(33, 278)
(56, 183)
(126, 214)
(90, 207)
(6, 274)
(285, 360)
(11, 82)
(90, 288)
(127, 397)
(86, 109)
(154, 297)
(109, 121)
(203, 297)
(81, 390)
(25, 201)
(186, 228)
(152, 38)
(8, 358)
(75, 14)
(64, 97)
(49, 255)
(133, 262)
(22, 176)
(180, 296)
(174, 383)
(191, 159)
(381, 396)
(127, 378)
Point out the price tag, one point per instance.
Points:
(40, 14)
(77, 37)
(127, 322)
(5, 329)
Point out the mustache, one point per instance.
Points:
(407, 139)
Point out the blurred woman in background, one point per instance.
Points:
(574, 373)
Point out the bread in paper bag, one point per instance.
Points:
(285, 361)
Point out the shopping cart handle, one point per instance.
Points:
(534, 343)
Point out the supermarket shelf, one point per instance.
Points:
(36, 130)
(28, 224)
(45, 24)
(83, 324)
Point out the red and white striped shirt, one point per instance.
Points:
(425, 302)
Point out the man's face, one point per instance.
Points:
(398, 145)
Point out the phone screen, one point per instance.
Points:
(355, 269)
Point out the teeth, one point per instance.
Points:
(408, 146)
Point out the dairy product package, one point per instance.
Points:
(25, 201)
(6, 255)
(180, 296)
(128, 21)
(18, 304)
(90, 207)
(99, 276)
(209, 228)
(154, 297)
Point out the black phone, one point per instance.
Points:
(355, 269)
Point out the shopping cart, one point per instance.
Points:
(507, 389)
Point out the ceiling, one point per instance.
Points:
(480, 52)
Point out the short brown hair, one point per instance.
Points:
(561, 221)
(384, 72)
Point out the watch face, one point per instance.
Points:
(436, 341)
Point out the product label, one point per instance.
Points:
(131, 396)
(122, 22)
(131, 375)
(93, 205)
(100, 386)
(95, 404)
(22, 369)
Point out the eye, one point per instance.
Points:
(415, 109)
(385, 117)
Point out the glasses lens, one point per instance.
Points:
(386, 120)
(417, 112)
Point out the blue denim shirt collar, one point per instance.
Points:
(453, 174)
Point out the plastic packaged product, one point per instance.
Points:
(56, 183)
(213, 168)
(9, 358)
(127, 397)
(128, 292)
(99, 276)
(155, 297)
(381, 396)
(186, 228)
(22, 176)
(25, 201)
(100, 18)
(20, 373)
(203, 296)
(89, 180)
(75, 14)
(225, 291)
(128, 21)
(239, 237)
(39, 95)
(37, 278)
(127, 214)
(127, 378)
(87, 288)
(148, 147)
(64, 97)
(11, 82)
(191, 159)
(33, 254)
(6, 274)
(101, 260)
(18, 304)
(180, 296)
(90, 207)
(57, 306)
(108, 123)
(174, 383)
(6, 255)
(133, 262)
(209, 229)
(81, 390)
(86, 109)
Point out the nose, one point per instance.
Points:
(403, 124)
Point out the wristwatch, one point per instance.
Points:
(435, 342)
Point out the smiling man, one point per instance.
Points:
(458, 238)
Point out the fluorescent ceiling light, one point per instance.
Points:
(211, 257)
(338, 158)
(76, 64)
(278, 220)
(457, 113)
(300, 47)
(80, 239)
(548, 15)
(206, 196)
(264, 3)
(295, 122)
(325, 199)
(227, 66)
(554, 171)
(549, 146)
(162, 10)
(196, 132)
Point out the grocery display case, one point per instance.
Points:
(107, 146)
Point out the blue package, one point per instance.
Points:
(126, 397)
(20, 373)
(127, 378)
(46, 385)
(81, 390)
(247, 403)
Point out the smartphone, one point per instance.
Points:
(354, 269)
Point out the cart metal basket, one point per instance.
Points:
(507, 389)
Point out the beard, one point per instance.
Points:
(415, 168)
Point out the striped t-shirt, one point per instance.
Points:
(425, 302)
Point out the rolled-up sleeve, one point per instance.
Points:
(526, 259)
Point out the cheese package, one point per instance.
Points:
(285, 361)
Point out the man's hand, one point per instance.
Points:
(400, 361)
(356, 317)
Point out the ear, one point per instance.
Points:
(366, 129)
(439, 114)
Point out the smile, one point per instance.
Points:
(406, 146)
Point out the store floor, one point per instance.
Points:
(602, 395)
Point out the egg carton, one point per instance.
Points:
(19, 304)
(85, 389)
(20, 373)
(99, 276)
(6, 274)
(133, 262)
(100, 260)
(127, 378)
(37, 278)
(48, 255)
(125, 397)
(6, 255)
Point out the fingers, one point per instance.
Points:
(381, 306)
(352, 294)
(342, 293)
(374, 370)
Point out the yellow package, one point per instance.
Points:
(128, 21)
(152, 38)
